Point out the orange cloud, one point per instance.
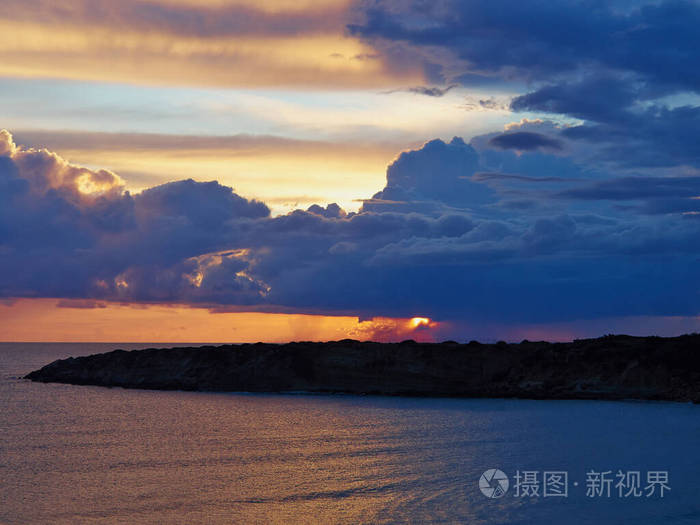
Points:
(391, 329)
(287, 174)
(216, 43)
(45, 170)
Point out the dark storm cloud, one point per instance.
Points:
(447, 241)
(602, 99)
(536, 40)
(656, 137)
(626, 69)
(66, 231)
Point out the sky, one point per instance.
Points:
(230, 170)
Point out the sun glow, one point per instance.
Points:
(417, 322)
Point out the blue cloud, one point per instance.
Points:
(525, 141)
(439, 172)
(445, 238)
(626, 69)
(535, 40)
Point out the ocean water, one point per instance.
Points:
(72, 454)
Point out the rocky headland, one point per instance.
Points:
(610, 367)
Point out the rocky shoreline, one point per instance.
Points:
(610, 367)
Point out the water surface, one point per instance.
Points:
(72, 454)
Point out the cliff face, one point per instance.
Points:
(611, 367)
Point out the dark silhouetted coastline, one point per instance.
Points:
(610, 367)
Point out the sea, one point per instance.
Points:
(82, 454)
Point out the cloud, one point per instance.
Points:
(628, 188)
(580, 100)
(68, 231)
(432, 91)
(525, 141)
(486, 104)
(42, 172)
(286, 173)
(538, 40)
(330, 211)
(439, 172)
(203, 19)
(156, 42)
(651, 195)
(489, 176)
(445, 239)
(95, 141)
(622, 73)
(205, 204)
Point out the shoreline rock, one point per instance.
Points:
(609, 367)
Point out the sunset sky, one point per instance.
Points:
(233, 170)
